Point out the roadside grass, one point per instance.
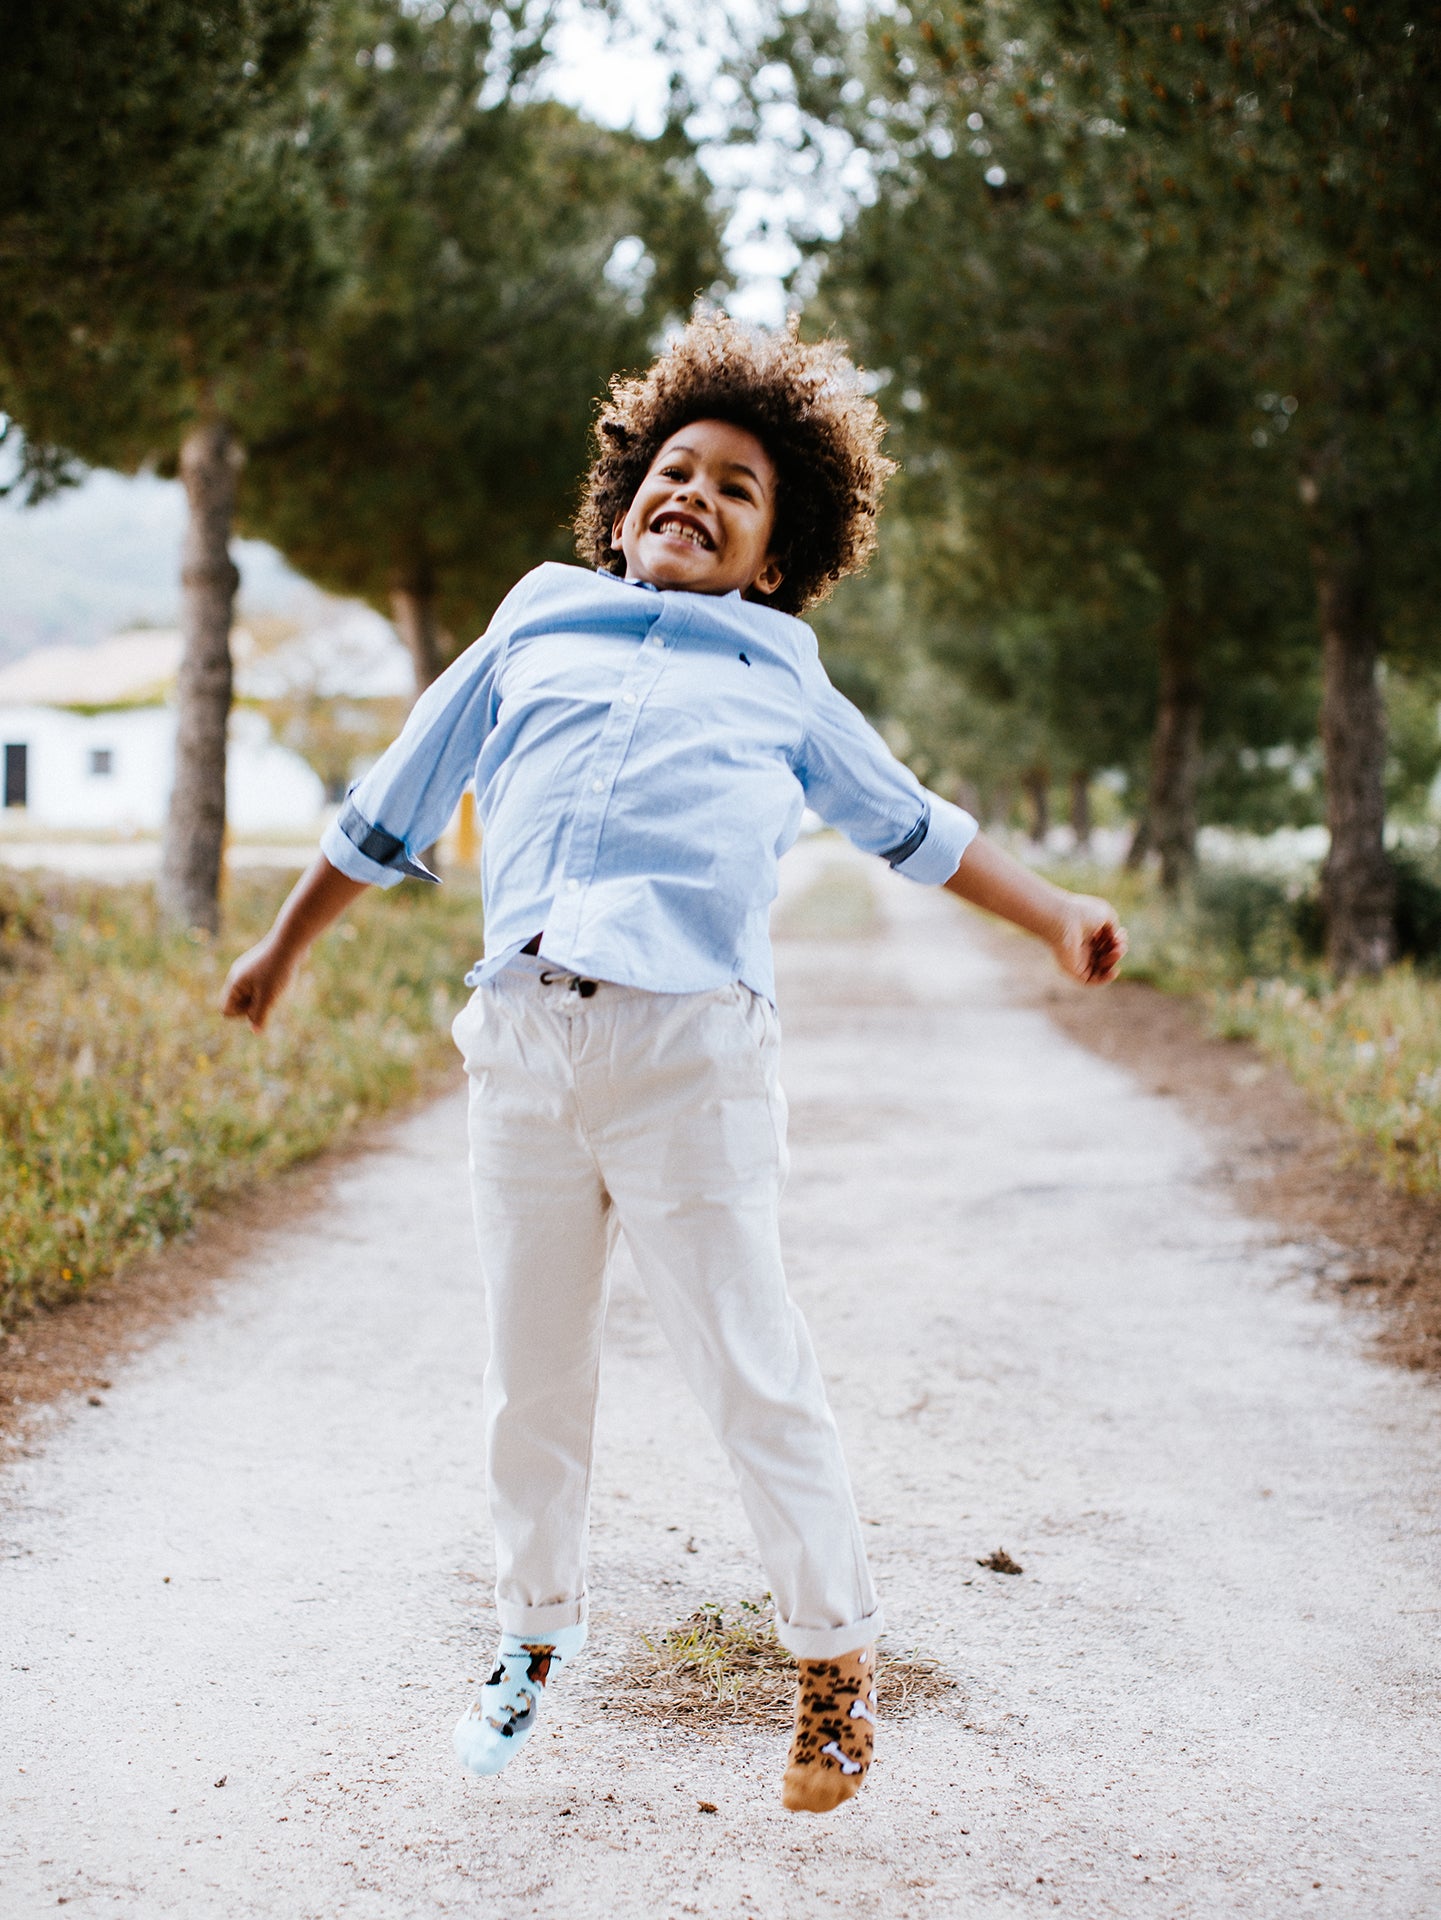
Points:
(1368, 1052)
(127, 1104)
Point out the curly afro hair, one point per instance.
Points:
(805, 404)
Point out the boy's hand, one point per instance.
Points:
(259, 977)
(256, 982)
(1090, 942)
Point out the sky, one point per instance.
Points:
(105, 555)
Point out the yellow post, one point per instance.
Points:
(467, 835)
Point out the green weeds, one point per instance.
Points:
(127, 1103)
(1367, 1051)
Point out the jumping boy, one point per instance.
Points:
(642, 736)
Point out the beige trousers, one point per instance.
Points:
(659, 1117)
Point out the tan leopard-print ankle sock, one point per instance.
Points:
(835, 1732)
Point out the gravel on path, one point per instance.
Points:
(1212, 1691)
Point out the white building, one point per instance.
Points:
(88, 733)
(112, 772)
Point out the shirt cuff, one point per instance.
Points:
(949, 831)
(369, 854)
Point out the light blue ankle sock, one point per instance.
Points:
(494, 1728)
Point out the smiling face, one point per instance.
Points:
(704, 515)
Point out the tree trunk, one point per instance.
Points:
(412, 607)
(1037, 784)
(210, 462)
(1081, 808)
(1358, 886)
(1139, 851)
(1176, 748)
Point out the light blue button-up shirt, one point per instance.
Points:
(640, 760)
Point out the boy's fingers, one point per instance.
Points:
(1106, 949)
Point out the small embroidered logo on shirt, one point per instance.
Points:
(744, 661)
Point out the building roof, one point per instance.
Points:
(343, 650)
(131, 669)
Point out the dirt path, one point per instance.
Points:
(1213, 1691)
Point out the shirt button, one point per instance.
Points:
(629, 699)
(657, 640)
(572, 886)
(597, 786)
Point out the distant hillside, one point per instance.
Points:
(105, 556)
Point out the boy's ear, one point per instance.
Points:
(616, 526)
(768, 580)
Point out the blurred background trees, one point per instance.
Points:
(344, 268)
(1158, 287)
(501, 261)
(1149, 294)
(160, 238)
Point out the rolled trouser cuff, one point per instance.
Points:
(533, 1623)
(826, 1643)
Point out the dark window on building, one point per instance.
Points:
(17, 774)
(102, 761)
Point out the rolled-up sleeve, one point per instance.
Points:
(406, 800)
(857, 785)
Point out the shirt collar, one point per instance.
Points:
(649, 586)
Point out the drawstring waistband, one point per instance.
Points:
(575, 982)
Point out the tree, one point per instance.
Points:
(1311, 135)
(1298, 151)
(1281, 162)
(981, 693)
(159, 245)
(500, 265)
(1085, 393)
(434, 247)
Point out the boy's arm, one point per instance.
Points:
(1081, 931)
(403, 802)
(259, 977)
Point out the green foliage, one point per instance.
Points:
(1249, 945)
(500, 262)
(977, 690)
(127, 1103)
(1366, 1051)
(1078, 396)
(1297, 154)
(1225, 927)
(1153, 295)
(1413, 728)
(166, 235)
(1418, 907)
(99, 101)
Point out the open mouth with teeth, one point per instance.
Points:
(681, 528)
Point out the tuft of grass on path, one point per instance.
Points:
(127, 1103)
(724, 1666)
